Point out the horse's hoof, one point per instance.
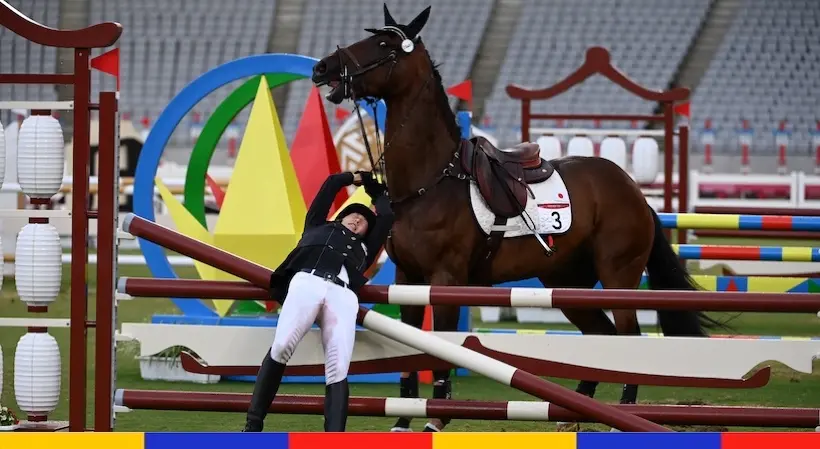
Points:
(401, 429)
(568, 427)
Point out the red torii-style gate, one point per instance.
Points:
(598, 61)
(82, 41)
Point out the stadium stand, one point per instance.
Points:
(19, 56)
(648, 39)
(765, 71)
(452, 35)
(167, 44)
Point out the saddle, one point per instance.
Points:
(503, 175)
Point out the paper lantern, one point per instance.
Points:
(2, 263)
(580, 146)
(40, 156)
(37, 374)
(614, 149)
(38, 264)
(2, 154)
(645, 159)
(550, 147)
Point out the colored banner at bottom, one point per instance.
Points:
(420, 440)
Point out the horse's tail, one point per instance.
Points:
(666, 272)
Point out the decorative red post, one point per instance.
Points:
(598, 62)
(82, 41)
(683, 178)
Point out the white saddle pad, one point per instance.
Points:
(550, 210)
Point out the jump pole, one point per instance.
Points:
(196, 401)
(558, 298)
(403, 333)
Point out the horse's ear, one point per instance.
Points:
(414, 27)
(388, 19)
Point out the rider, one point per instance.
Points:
(319, 280)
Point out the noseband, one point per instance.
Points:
(347, 78)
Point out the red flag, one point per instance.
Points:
(313, 152)
(216, 190)
(682, 109)
(342, 114)
(463, 91)
(109, 63)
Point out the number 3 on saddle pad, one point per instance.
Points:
(550, 209)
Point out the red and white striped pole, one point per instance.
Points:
(708, 139)
(200, 401)
(448, 295)
(403, 333)
(782, 141)
(745, 142)
(816, 141)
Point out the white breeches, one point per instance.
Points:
(311, 297)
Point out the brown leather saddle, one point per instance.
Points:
(503, 175)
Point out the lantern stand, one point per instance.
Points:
(37, 360)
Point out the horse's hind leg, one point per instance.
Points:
(409, 382)
(620, 265)
(588, 321)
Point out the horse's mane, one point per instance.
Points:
(442, 103)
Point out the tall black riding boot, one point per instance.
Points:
(336, 400)
(267, 384)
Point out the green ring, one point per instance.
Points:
(211, 133)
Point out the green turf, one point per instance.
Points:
(787, 388)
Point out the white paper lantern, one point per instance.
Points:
(645, 160)
(2, 154)
(37, 374)
(580, 146)
(614, 149)
(38, 264)
(40, 156)
(550, 147)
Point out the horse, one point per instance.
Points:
(435, 178)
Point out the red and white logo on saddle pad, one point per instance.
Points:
(550, 210)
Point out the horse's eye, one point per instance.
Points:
(383, 44)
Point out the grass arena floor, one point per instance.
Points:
(786, 388)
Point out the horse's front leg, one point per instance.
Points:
(445, 318)
(409, 382)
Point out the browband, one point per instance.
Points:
(406, 44)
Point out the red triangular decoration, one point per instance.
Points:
(463, 91)
(216, 190)
(108, 62)
(313, 153)
(682, 109)
(341, 114)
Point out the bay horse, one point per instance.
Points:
(430, 170)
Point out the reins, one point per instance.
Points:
(347, 80)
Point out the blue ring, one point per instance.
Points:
(173, 114)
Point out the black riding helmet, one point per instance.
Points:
(361, 209)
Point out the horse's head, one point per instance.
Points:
(377, 66)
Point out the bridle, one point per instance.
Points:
(347, 79)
